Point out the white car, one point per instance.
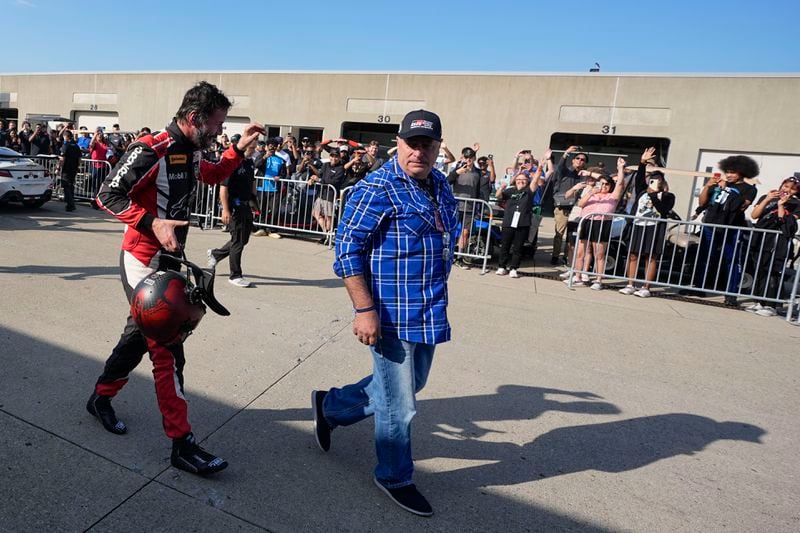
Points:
(23, 180)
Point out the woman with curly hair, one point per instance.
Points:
(725, 199)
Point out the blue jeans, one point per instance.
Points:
(719, 248)
(399, 370)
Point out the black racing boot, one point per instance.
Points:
(188, 455)
(100, 408)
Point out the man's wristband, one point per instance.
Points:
(235, 147)
(364, 309)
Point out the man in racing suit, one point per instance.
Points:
(151, 190)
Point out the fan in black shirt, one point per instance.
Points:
(777, 210)
(725, 199)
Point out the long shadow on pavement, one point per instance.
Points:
(276, 469)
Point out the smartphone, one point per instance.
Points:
(490, 156)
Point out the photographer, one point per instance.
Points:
(653, 201)
(777, 210)
(488, 176)
(39, 141)
(25, 135)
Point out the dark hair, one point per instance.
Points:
(745, 166)
(203, 99)
(146, 130)
(68, 135)
(611, 183)
(374, 143)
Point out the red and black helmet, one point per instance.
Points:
(167, 307)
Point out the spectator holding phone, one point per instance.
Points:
(595, 229)
(40, 141)
(725, 199)
(779, 210)
(565, 178)
(652, 202)
(98, 152)
(488, 176)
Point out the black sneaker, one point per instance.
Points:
(322, 431)
(731, 301)
(554, 261)
(409, 498)
(100, 408)
(188, 455)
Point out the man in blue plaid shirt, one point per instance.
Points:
(394, 250)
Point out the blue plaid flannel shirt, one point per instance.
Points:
(388, 234)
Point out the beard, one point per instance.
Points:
(202, 137)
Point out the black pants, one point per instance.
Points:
(168, 361)
(769, 270)
(68, 184)
(512, 240)
(240, 226)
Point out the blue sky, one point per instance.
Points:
(431, 35)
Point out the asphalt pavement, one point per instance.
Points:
(550, 410)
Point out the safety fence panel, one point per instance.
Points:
(293, 206)
(478, 231)
(206, 208)
(91, 173)
(700, 258)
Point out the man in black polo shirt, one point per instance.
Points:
(235, 195)
(68, 162)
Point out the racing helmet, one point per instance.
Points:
(164, 307)
(167, 306)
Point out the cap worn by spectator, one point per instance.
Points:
(305, 139)
(469, 153)
(421, 123)
(235, 138)
(277, 140)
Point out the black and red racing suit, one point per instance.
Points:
(155, 178)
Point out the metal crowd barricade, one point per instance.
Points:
(297, 207)
(477, 231)
(474, 214)
(206, 206)
(705, 264)
(89, 177)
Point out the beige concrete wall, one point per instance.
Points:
(503, 112)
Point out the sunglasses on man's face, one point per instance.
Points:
(580, 159)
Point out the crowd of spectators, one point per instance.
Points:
(578, 191)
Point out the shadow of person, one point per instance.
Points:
(461, 417)
(614, 447)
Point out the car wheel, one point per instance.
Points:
(747, 282)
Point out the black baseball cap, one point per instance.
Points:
(421, 123)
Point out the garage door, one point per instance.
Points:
(93, 119)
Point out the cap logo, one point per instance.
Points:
(423, 124)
